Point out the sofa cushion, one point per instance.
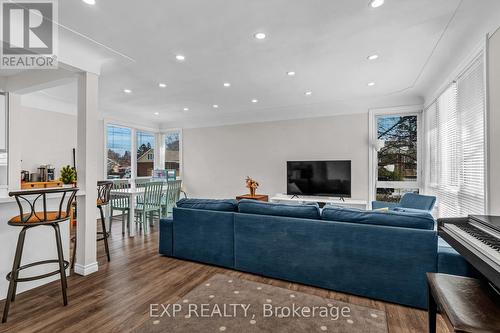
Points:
(415, 220)
(227, 205)
(410, 210)
(305, 211)
(451, 262)
(417, 201)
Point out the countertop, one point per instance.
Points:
(4, 197)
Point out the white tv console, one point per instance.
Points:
(347, 202)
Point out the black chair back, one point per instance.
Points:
(104, 192)
(29, 202)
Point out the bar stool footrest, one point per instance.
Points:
(37, 277)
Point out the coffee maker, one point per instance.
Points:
(42, 171)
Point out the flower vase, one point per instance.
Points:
(252, 191)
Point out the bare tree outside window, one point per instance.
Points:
(397, 156)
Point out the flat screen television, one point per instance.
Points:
(319, 178)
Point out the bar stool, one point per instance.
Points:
(32, 218)
(103, 198)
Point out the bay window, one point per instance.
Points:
(173, 151)
(118, 147)
(145, 143)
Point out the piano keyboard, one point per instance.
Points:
(487, 244)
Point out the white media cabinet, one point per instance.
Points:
(347, 202)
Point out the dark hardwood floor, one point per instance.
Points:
(117, 297)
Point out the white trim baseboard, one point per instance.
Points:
(87, 269)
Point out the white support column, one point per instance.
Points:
(159, 151)
(87, 164)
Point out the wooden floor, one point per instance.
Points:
(117, 297)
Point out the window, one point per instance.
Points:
(397, 148)
(172, 151)
(455, 154)
(119, 146)
(145, 154)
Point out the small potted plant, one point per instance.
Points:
(68, 175)
(252, 185)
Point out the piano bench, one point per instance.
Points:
(467, 305)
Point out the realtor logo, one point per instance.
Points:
(29, 34)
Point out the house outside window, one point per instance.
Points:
(145, 153)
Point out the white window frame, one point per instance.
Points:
(412, 110)
(155, 164)
(162, 150)
(133, 150)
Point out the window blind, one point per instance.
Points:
(455, 145)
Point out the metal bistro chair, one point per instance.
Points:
(151, 204)
(171, 197)
(120, 203)
(31, 218)
(103, 198)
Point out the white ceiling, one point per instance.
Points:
(325, 41)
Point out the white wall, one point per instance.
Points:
(49, 138)
(494, 123)
(217, 159)
(45, 137)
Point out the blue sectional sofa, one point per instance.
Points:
(381, 255)
(408, 201)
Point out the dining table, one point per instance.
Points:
(132, 193)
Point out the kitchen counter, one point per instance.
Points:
(4, 196)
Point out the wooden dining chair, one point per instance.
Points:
(141, 183)
(171, 197)
(150, 206)
(120, 203)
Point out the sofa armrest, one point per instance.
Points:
(383, 204)
(166, 241)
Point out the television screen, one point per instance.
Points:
(319, 178)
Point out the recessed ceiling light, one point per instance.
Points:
(376, 3)
(215, 106)
(290, 73)
(186, 109)
(371, 84)
(260, 35)
(227, 84)
(157, 113)
(255, 100)
(180, 57)
(162, 85)
(127, 91)
(89, 2)
(372, 57)
(308, 93)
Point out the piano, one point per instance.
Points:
(477, 239)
